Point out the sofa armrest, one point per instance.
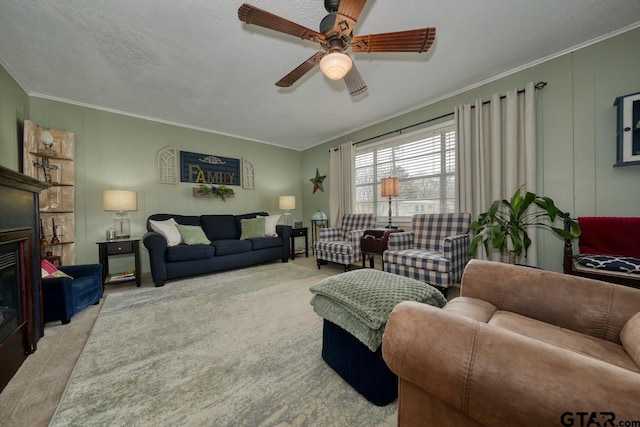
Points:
(156, 244)
(497, 377)
(57, 299)
(82, 270)
(584, 305)
(400, 241)
(56, 284)
(353, 237)
(284, 232)
(453, 245)
(456, 248)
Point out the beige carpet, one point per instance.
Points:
(32, 395)
(235, 348)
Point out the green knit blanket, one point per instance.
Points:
(360, 301)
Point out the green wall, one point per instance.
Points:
(14, 109)
(576, 133)
(114, 151)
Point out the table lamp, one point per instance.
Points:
(287, 203)
(121, 202)
(390, 187)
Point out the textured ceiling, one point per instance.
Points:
(193, 63)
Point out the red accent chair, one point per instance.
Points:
(605, 236)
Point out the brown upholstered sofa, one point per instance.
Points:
(519, 347)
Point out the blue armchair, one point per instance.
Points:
(64, 296)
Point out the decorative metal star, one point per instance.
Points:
(317, 182)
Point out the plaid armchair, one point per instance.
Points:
(435, 252)
(342, 244)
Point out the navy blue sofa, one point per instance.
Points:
(226, 250)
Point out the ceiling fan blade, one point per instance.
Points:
(354, 81)
(347, 16)
(300, 71)
(401, 41)
(252, 15)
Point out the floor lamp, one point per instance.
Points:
(390, 187)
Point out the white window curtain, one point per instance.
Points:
(342, 182)
(496, 151)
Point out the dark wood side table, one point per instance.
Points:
(300, 232)
(375, 242)
(126, 246)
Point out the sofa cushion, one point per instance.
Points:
(49, 270)
(231, 246)
(189, 252)
(168, 228)
(335, 247)
(587, 345)
(180, 219)
(220, 227)
(418, 259)
(270, 223)
(251, 228)
(239, 218)
(265, 243)
(610, 235)
(472, 308)
(610, 262)
(630, 338)
(192, 235)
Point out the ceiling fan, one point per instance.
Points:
(335, 37)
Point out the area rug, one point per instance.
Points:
(240, 348)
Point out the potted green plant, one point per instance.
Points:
(509, 220)
(220, 191)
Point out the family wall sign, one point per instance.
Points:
(209, 169)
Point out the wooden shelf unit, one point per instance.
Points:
(57, 203)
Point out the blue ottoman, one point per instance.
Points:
(363, 369)
(355, 307)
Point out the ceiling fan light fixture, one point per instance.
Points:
(335, 65)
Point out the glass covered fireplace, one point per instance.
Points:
(17, 338)
(20, 299)
(11, 288)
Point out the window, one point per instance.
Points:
(425, 163)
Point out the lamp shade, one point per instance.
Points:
(335, 65)
(120, 200)
(287, 202)
(390, 187)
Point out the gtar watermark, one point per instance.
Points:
(595, 419)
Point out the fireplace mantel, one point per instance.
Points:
(18, 228)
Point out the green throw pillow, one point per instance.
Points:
(252, 228)
(192, 235)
